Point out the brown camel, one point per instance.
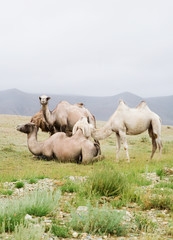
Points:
(76, 149)
(39, 121)
(130, 121)
(65, 115)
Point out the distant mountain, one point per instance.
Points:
(16, 102)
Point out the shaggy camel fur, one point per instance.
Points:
(130, 121)
(66, 149)
(39, 121)
(65, 115)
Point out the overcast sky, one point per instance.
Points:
(87, 47)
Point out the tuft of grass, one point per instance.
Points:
(40, 203)
(6, 192)
(60, 231)
(107, 182)
(32, 181)
(144, 224)
(13, 211)
(158, 201)
(19, 184)
(99, 221)
(70, 186)
(28, 231)
(11, 214)
(160, 173)
(164, 185)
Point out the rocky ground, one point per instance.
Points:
(163, 218)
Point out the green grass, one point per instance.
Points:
(29, 231)
(19, 184)
(40, 203)
(13, 211)
(60, 231)
(70, 187)
(144, 223)
(96, 220)
(32, 181)
(118, 184)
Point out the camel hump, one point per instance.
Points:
(122, 105)
(80, 105)
(141, 105)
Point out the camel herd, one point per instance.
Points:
(72, 127)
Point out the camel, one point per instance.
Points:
(76, 149)
(39, 121)
(130, 121)
(65, 115)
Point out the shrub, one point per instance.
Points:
(19, 185)
(158, 201)
(60, 231)
(32, 180)
(11, 214)
(13, 211)
(101, 221)
(144, 223)
(70, 186)
(107, 182)
(6, 192)
(40, 203)
(28, 231)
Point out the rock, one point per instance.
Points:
(82, 209)
(75, 234)
(28, 217)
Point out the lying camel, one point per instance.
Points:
(65, 115)
(39, 121)
(76, 149)
(130, 121)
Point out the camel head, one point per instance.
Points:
(44, 99)
(26, 128)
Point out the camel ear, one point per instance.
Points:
(48, 98)
(40, 98)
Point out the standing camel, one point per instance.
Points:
(130, 121)
(76, 149)
(39, 121)
(65, 115)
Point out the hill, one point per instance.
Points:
(16, 102)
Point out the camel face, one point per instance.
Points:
(44, 99)
(26, 128)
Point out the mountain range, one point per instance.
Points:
(16, 102)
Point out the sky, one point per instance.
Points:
(87, 47)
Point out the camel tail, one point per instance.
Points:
(156, 134)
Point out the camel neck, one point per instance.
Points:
(47, 114)
(34, 146)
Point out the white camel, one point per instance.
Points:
(130, 121)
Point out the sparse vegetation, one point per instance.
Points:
(108, 186)
(99, 220)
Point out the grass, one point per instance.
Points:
(13, 211)
(19, 184)
(29, 231)
(144, 223)
(60, 231)
(99, 221)
(117, 184)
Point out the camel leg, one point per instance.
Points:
(124, 139)
(118, 146)
(154, 146)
